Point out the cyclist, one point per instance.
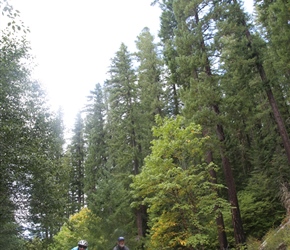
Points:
(121, 244)
(83, 244)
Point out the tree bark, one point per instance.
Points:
(222, 237)
(277, 115)
(232, 193)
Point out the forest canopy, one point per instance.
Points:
(184, 146)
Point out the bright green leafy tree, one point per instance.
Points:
(152, 99)
(80, 226)
(176, 186)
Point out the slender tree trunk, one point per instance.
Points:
(139, 223)
(222, 237)
(139, 211)
(277, 116)
(175, 100)
(232, 193)
(80, 180)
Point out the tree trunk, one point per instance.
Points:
(140, 210)
(222, 237)
(232, 193)
(139, 223)
(277, 116)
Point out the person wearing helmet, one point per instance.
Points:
(83, 244)
(121, 244)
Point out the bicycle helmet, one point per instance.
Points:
(83, 243)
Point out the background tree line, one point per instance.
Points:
(184, 146)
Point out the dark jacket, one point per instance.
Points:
(120, 248)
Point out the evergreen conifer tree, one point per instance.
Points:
(77, 153)
(123, 148)
(201, 94)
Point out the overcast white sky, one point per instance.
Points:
(73, 42)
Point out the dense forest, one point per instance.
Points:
(185, 145)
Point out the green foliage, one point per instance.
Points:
(77, 153)
(258, 205)
(113, 134)
(48, 174)
(122, 115)
(253, 244)
(276, 238)
(214, 60)
(95, 135)
(10, 237)
(13, 90)
(168, 25)
(13, 17)
(152, 97)
(31, 146)
(176, 186)
(34, 244)
(82, 225)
